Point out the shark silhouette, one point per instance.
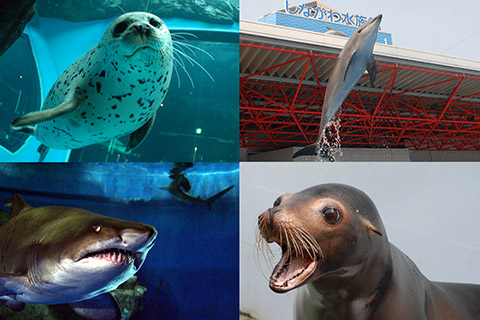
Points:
(180, 186)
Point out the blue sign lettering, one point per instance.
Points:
(327, 14)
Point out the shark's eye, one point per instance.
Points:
(331, 215)
(97, 227)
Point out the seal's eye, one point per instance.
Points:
(331, 215)
(155, 23)
(277, 202)
(119, 28)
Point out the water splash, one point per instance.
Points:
(329, 148)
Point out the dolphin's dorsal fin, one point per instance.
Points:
(17, 205)
(372, 69)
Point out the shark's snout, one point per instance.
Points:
(136, 239)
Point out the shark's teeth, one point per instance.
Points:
(114, 255)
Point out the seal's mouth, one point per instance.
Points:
(141, 48)
(292, 271)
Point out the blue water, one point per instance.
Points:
(192, 270)
(211, 106)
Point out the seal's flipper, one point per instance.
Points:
(27, 129)
(218, 195)
(66, 107)
(139, 135)
(372, 70)
(102, 307)
(43, 150)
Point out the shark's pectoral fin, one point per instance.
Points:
(67, 106)
(140, 134)
(13, 305)
(101, 307)
(372, 69)
(9, 294)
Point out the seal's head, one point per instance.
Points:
(136, 32)
(326, 233)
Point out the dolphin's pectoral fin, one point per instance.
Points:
(102, 307)
(66, 107)
(140, 134)
(372, 70)
(350, 63)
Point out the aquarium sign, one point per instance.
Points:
(327, 15)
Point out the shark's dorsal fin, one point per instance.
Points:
(17, 205)
(101, 307)
(372, 69)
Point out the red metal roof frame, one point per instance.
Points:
(272, 119)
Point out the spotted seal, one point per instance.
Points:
(336, 252)
(111, 91)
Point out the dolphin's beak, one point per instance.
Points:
(379, 18)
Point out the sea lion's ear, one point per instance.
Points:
(371, 227)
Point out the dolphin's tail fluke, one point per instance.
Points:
(216, 196)
(315, 150)
(310, 150)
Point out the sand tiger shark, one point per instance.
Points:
(57, 255)
(355, 57)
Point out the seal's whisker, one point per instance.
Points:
(119, 7)
(182, 65)
(182, 54)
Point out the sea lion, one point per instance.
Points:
(336, 252)
(111, 91)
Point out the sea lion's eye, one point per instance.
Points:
(277, 202)
(155, 23)
(331, 215)
(119, 29)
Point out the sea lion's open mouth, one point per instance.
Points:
(292, 271)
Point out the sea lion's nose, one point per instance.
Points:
(271, 213)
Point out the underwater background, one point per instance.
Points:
(192, 270)
(199, 117)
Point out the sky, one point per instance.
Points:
(438, 26)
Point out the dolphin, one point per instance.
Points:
(57, 255)
(355, 57)
(177, 191)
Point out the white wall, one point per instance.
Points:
(430, 210)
